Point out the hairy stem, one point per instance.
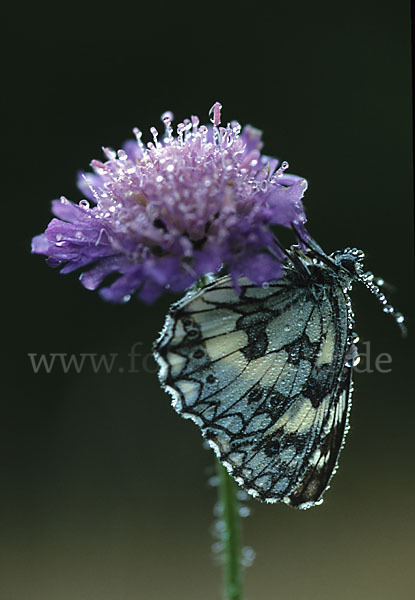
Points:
(231, 535)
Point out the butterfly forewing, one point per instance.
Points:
(263, 374)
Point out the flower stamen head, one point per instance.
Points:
(166, 213)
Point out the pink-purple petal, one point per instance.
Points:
(165, 214)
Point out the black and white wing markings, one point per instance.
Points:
(263, 375)
(322, 464)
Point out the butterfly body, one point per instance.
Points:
(266, 373)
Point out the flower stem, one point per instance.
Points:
(231, 535)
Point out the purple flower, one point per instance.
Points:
(166, 214)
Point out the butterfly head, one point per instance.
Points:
(350, 262)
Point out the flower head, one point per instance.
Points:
(165, 214)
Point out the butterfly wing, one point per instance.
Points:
(263, 375)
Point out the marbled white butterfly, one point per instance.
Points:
(266, 373)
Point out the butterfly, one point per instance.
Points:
(266, 371)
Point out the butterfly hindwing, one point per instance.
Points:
(262, 373)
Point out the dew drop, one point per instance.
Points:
(219, 527)
(126, 298)
(244, 511)
(213, 481)
(399, 317)
(59, 237)
(218, 509)
(218, 547)
(84, 204)
(248, 556)
(242, 496)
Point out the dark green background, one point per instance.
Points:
(104, 489)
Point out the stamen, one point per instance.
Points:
(155, 133)
(181, 127)
(167, 117)
(109, 153)
(138, 134)
(195, 123)
(284, 166)
(214, 113)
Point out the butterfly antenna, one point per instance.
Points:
(367, 280)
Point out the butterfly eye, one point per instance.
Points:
(348, 263)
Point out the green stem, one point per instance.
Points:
(232, 535)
